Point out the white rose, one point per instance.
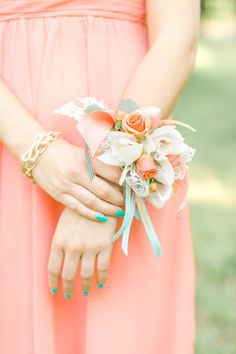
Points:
(120, 149)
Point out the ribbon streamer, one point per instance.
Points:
(148, 226)
(128, 218)
(88, 162)
(141, 213)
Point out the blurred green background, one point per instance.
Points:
(208, 103)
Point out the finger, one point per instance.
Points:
(111, 173)
(104, 190)
(103, 265)
(72, 203)
(91, 201)
(69, 271)
(54, 268)
(87, 271)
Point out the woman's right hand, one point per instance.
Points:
(62, 172)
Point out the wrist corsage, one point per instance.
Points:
(151, 153)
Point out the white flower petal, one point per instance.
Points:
(120, 148)
(110, 159)
(125, 137)
(161, 196)
(165, 174)
(167, 131)
(173, 138)
(148, 145)
(130, 153)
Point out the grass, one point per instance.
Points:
(209, 104)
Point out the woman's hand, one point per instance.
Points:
(78, 238)
(62, 172)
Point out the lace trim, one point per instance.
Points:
(72, 110)
(188, 155)
(139, 185)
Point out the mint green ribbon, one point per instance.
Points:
(130, 212)
(150, 231)
(127, 220)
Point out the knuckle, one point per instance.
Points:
(105, 244)
(90, 201)
(103, 268)
(52, 272)
(121, 199)
(56, 192)
(57, 246)
(74, 249)
(103, 191)
(91, 247)
(115, 174)
(72, 203)
(67, 278)
(63, 182)
(86, 276)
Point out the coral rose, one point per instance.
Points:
(146, 167)
(136, 123)
(154, 113)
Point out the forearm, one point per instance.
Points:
(163, 72)
(17, 126)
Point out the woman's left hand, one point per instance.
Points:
(75, 238)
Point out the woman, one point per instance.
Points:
(52, 51)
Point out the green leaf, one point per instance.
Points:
(127, 105)
(118, 125)
(92, 108)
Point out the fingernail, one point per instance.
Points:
(54, 290)
(100, 285)
(101, 217)
(120, 212)
(85, 292)
(67, 296)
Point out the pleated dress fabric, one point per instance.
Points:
(50, 52)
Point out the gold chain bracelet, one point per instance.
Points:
(39, 145)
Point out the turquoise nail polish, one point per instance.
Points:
(120, 212)
(101, 217)
(67, 296)
(100, 285)
(54, 290)
(85, 292)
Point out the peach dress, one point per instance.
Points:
(50, 52)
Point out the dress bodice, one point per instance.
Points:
(132, 10)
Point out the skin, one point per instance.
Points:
(158, 80)
(78, 239)
(61, 169)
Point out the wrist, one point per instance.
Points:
(19, 139)
(37, 148)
